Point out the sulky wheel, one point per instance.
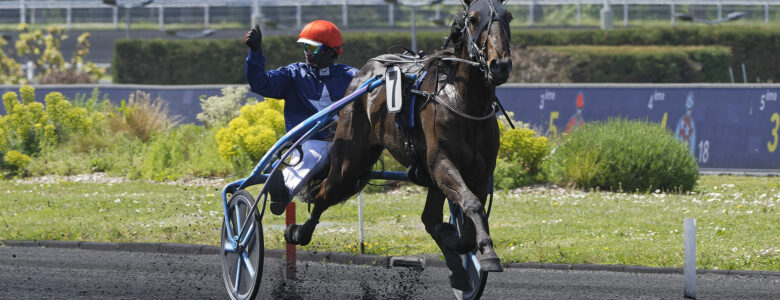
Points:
(477, 278)
(242, 267)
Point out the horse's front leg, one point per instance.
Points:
(444, 236)
(448, 178)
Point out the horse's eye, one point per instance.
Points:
(473, 17)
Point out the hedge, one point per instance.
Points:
(222, 61)
(658, 64)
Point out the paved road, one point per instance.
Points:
(56, 273)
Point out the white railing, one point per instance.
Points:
(292, 13)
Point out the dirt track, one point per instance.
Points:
(56, 273)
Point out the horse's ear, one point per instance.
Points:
(468, 2)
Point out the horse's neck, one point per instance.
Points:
(470, 83)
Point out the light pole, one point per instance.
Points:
(414, 5)
(127, 5)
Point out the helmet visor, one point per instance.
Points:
(310, 49)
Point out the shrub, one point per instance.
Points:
(622, 155)
(219, 110)
(519, 155)
(184, 150)
(30, 127)
(16, 159)
(141, 116)
(252, 134)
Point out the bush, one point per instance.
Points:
(653, 64)
(169, 62)
(30, 127)
(16, 159)
(141, 116)
(520, 155)
(253, 133)
(622, 155)
(219, 110)
(185, 150)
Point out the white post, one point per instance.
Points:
(68, 16)
(625, 13)
(360, 220)
(720, 11)
(255, 18)
(206, 22)
(531, 8)
(161, 17)
(115, 12)
(22, 12)
(689, 255)
(672, 13)
(30, 70)
(414, 29)
(607, 16)
(766, 13)
(298, 16)
(391, 14)
(579, 12)
(344, 14)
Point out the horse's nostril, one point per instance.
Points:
(500, 66)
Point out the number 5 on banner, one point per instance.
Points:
(773, 145)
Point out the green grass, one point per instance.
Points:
(736, 217)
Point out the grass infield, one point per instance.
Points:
(737, 220)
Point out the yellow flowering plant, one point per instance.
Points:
(250, 135)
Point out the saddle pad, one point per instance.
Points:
(393, 88)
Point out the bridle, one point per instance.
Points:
(489, 11)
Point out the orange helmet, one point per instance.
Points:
(321, 32)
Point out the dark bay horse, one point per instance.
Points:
(455, 142)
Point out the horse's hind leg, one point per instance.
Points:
(351, 158)
(450, 181)
(444, 236)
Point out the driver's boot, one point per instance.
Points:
(280, 195)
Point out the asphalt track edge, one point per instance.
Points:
(350, 259)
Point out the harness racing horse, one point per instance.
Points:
(453, 148)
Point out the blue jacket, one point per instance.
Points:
(299, 85)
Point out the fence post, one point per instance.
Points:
(22, 12)
(344, 14)
(579, 12)
(625, 13)
(360, 223)
(206, 22)
(391, 14)
(720, 10)
(30, 70)
(672, 13)
(689, 256)
(68, 16)
(298, 16)
(766, 13)
(531, 8)
(115, 12)
(161, 17)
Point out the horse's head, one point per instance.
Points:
(486, 36)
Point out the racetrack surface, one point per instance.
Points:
(57, 273)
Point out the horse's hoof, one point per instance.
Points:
(290, 232)
(490, 264)
(460, 281)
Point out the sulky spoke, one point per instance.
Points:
(248, 264)
(238, 220)
(238, 277)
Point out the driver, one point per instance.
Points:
(306, 87)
